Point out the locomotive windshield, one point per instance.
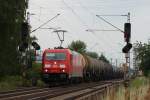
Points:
(55, 56)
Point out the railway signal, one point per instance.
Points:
(23, 46)
(127, 48)
(36, 46)
(127, 31)
(24, 31)
(24, 37)
(127, 35)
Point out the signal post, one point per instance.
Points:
(25, 48)
(127, 36)
(128, 46)
(126, 50)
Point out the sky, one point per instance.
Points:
(77, 16)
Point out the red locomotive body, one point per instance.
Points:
(61, 65)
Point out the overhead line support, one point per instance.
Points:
(44, 23)
(110, 23)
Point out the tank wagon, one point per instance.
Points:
(60, 65)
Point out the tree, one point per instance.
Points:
(92, 54)
(33, 38)
(78, 46)
(12, 15)
(143, 50)
(103, 58)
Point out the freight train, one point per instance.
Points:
(65, 65)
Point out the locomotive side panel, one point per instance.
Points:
(77, 63)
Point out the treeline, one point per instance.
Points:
(12, 15)
(143, 57)
(81, 47)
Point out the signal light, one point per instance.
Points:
(23, 46)
(36, 46)
(24, 30)
(24, 35)
(127, 31)
(127, 48)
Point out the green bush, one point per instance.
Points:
(139, 81)
(13, 82)
(35, 71)
(10, 82)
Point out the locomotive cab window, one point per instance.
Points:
(55, 56)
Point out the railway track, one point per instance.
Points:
(70, 92)
(19, 90)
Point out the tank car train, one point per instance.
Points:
(64, 65)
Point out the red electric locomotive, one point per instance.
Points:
(61, 65)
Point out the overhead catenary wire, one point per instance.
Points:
(109, 23)
(72, 10)
(91, 13)
(78, 17)
(69, 25)
(48, 27)
(112, 15)
(44, 23)
(53, 28)
(81, 21)
(95, 2)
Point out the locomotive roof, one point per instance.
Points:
(58, 50)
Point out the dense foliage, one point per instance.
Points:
(103, 58)
(78, 46)
(12, 14)
(92, 54)
(143, 50)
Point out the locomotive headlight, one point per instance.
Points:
(46, 70)
(47, 66)
(62, 66)
(63, 70)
